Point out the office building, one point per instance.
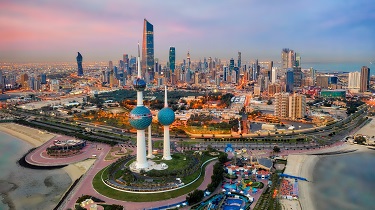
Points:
(273, 74)
(289, 80)
(79, 63)
(354, 81)
(172, 59)
(365, 79)
(239, 60)
(287, 58)
(322, 81)
(298, 75)
(148, 50)
(298, 60)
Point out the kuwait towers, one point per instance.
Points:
(140, 119)
(166, 117)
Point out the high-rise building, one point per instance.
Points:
(148, 49)
(298, 60)
(281, 105)
(287, 58)
(239, 60)
(289, 80)
(43, 79)
(292, 106)
(172, 59)
(354, 81)
(79, 63)
(365, 79)
(313, 74)
(231, 66)
(297, 106)
(298, 75)
(273, 74)
(322, 81)
(110, 65)
(256, 70)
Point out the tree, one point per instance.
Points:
(223, 157)
(276, 149)
(195, 196)
(360, 139)
(269, 102)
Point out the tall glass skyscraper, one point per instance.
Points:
(172, 59)
(289, 80)
(148, 49)
(79, 63)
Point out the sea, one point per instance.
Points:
(25, 188)
(331, 67)
(345, 182)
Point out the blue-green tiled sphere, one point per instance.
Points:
(139, 84)
(140, 117)
(166, 116)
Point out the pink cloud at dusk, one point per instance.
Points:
(104, 30)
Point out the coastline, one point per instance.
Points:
(36, 138)
(31, 135)
(305, 188)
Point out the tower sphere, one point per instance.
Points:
(139, 84)
(166, 116)
(140, 117)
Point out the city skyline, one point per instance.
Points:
(320, 31)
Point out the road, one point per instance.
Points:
(84, 187)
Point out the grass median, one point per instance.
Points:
(103, 189)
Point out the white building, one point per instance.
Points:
(354, 81)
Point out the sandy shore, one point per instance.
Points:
(78, 169)
(31, 135)
(37, 138)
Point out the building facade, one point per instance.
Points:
(79, 63)
(365, 79)
(148, 49)
(354, 81)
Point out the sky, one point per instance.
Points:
(320, 30)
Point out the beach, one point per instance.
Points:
(36, 138)
(305, 166)
(30, 135)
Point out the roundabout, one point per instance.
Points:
(153, 192)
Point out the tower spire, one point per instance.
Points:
(139, 63)
(165, 97)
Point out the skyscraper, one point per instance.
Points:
(354, 81)
(79, 63)
(239, 60)
(289, 80)
(365, 79)
(298, 60)
(273, 74)
(287, 58)
(148, 49)
(172, 59)
(231, 66)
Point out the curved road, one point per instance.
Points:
(84, 187)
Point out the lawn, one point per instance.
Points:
(142, 197)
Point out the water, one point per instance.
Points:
(23, 188)
(345, 182)
(339, 67)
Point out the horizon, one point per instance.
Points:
(43, 32)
